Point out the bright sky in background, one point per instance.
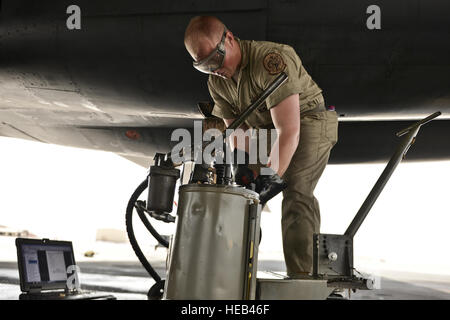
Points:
(68, 193)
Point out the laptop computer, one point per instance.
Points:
(47, 271)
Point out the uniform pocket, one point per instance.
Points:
(331, 131)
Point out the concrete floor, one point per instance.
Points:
(130, 281)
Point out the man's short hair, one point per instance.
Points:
(201, 28)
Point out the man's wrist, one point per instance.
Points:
(267, 171)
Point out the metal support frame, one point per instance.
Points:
(252, 251)
(333, 254)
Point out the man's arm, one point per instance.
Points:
(286, 118)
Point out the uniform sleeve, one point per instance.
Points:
(274, 62)
(222, 109)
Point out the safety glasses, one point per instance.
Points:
(214, 60)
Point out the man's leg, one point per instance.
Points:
(300, 209)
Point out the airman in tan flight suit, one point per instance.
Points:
(239, 71)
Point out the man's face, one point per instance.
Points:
(207, 47)
(228, 68)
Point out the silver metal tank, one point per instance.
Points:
(213, 251)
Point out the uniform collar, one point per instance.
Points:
(244, 52)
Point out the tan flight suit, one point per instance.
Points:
(261, 63)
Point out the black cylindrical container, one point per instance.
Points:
(161, 183)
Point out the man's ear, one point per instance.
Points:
(230, 37)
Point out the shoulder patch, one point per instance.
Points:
(274, 63)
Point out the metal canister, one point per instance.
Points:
(213, 251)
(162, 182)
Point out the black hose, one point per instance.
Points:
(131, 236)
(150, 228)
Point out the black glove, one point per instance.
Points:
(243, 175)
(268, 186)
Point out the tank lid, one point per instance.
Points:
(233, 189)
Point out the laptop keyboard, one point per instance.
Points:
(84, 295)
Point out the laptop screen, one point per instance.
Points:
(43, 263)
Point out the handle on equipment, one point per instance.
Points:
(419, 123)
(402, 149)
(274, 85)
(266, 93)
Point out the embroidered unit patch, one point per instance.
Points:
(274, 63)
